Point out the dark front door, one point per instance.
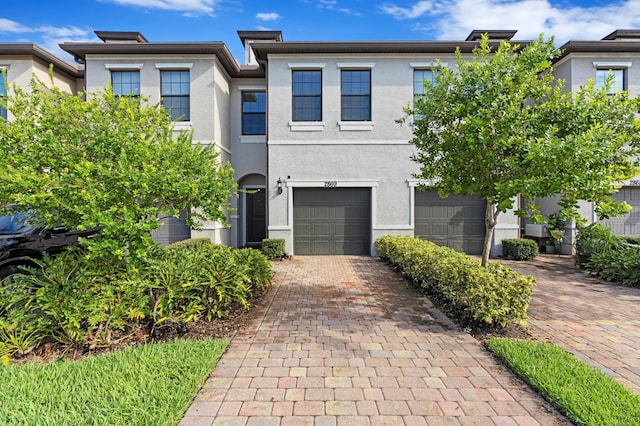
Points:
(256, 216)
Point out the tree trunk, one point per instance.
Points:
(490, 220)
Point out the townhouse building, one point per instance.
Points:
(581, 60)
(310, 129)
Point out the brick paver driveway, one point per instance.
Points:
(342, 340)
(597, 321)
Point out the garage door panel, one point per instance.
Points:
(320, 230)
(321, 213)
(455, 221)
(339, 220)
(628, 224)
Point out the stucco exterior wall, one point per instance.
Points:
(209, 102)
(377, 157)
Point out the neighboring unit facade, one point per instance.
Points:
(21, 62)
(617, 53)
(310, 130)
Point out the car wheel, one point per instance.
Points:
(10, 271)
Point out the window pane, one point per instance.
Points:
(254, 102)
(3, 92)
(178, 106)
(254, 124)
(307, 82)
(175, 82)
(356, 95)
(254, 107)
(355, 108)
(125, 82)
(419, 76)
(174, 87)
(307, 108)
(307, 95)
(618, 79)
(356, 82)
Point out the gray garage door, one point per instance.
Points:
(172, 230)
(628, 224)
(455, 221)
(332, 221)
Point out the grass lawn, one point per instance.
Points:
(144, 385)
(584, 394)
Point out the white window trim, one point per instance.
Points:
(356, 65)
(261, 139)
(306, 126)
(357, 126)
(306, 66)
(123, 66)
(252, 88)
(174, 65)
(612, 65)
(4, 67)
(428, 65)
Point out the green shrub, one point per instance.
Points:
(632, 240)
(87, 303)
(597, 238)
(492, 295)
(273, 247)
(79, 301)
(520, 249)
(189, 242)
(622, 266)
(204, 280)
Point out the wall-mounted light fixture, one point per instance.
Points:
(279, 186)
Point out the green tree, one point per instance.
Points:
(499, 126)
(106, 161)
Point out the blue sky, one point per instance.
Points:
(50, 22)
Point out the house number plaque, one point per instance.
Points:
(330, 184)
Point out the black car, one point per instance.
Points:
(21, 241)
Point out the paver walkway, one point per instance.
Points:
(342, 340)
(597, 321)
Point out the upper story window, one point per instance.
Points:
(617, 71)
(355, 95)
(254, 113)
(125, 83)
(3, 91)
(175, 93)
(307, 95)
(419, 77)
(618, 79)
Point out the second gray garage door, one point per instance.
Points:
(455, 221)
(331, 221)
(628, 224)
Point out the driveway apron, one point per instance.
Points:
(343, 340)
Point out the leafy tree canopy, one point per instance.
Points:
(107, 161)
(498, 126)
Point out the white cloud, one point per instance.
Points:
(271, 16)
(412, 12)
(51, 36)
(334, 6)
(8, 26)
(454, 19)
(189, 7)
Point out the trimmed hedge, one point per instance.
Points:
(520, 249)
(273, 247)
(189, 242)
(494, 295)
